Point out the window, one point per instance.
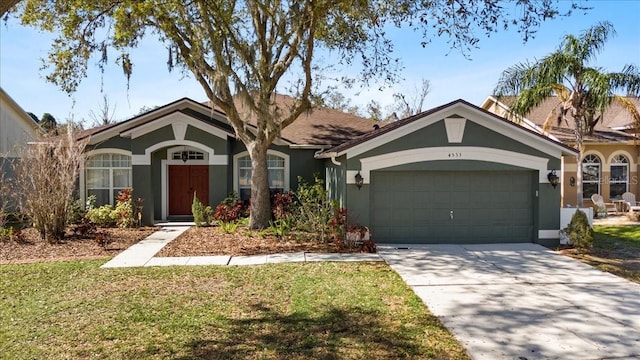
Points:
(277, 174)
(106, 175)
(619, 177)
(590, 176)
(189, 155)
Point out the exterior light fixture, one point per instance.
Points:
(554, 180)
(359, 180)
(184, 156)
(572, 181)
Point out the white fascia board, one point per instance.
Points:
(172, 119)
(156, 113)
(472, 114)
(549, 147)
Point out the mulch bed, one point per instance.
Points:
(213, 241)
(31, 248)
(201, 241)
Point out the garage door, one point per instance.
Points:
(452, 207)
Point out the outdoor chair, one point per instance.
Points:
(603, 207)
(630, 200)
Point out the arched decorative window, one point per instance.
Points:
(277, 173)
(107, 174)
(185, 155)
(591, 170)
(619, 183)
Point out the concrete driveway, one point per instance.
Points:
(522, 301)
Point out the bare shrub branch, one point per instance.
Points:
(44, 182)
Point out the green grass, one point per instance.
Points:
(616, 249)
(612, 237)
(277, 311)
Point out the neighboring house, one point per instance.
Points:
(16, 129)
(610, 167)
(453, 174)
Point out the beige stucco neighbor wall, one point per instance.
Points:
(606, 154)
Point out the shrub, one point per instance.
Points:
(313, 208)
(579, 232)
(229, 227)
(76, 212)
(108, 216)
(279, 228)
(230, 209)
(124, 209)
(201, 213)
(338, 223)
(634, 216)
(104, 216)
(282, 205)
(44, 180)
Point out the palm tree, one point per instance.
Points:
(585, 92)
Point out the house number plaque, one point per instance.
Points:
(455, 155)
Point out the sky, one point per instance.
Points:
(451, 74)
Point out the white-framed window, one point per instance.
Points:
(187, 155)
(278, 173)
(619, 183)
(591, 170)
(105, 175)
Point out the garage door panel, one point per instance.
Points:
(415, 207)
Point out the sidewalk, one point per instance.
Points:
(143, 254)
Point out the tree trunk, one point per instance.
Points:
(579, 159)
(260, 197)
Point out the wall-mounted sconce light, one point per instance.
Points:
(554, 180)
(359, 180)
(184, 156)
(572, 181)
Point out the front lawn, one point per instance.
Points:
(616, 249)
(277, 311)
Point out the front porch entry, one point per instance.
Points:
(184, 181)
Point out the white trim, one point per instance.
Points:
(164, 189)
(455, 129)
(145, 159)
(162, 111)
(179, 130)
(178, 122)
(548, 234)
(171, 150)
(451, 153)
(287, 168)
(476, 115)
(87, 155)
(595, 152)
(620, 152)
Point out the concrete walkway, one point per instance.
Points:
(143, 254)
(523, 301)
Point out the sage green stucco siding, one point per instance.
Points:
(218, 184)
(141, 175)
(379, 203)
(116, 142)
(140, 144)
(218, 144)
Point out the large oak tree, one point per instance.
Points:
(244, 49)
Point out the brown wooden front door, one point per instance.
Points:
(184, 180)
